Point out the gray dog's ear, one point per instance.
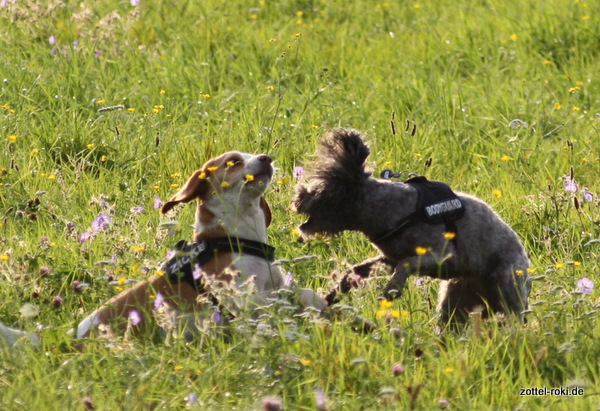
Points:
(303, 203)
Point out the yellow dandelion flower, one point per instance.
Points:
(449, 235)
(530, 270)
(557, 106)
(575, 108)
(418, 155)
(497, 193)
(585, 18)
(162, 92)
(156, 187)
(519, 272)
(506, 158)
(53, 244)
(103, 158)
(385, 304)
(174, 185)
(52, 177)
(207, 96)
(296, 232)
(404, 314)
(91, 145)
(299, 13)
(381, 313)
(305, 361)
(44, 175)
(138, 248)
(121, 280)
(298, 35)
(118, 288)
(101, 101)
(271, 88)
(249, 177)
(574, 89)
(230, 163)
(577, 263)
(35, 152)
(395, 314)
(12, 138)
(213, 169)
(314, 127)
(4, 257)
(131, 109)
(224, 184)
(421, 250)
(387, 163)
(513, 37)
(202, 175)
(579, 83)
(159, 273)
(449, 370)
(284, 180)
(547, 62)
(558, 266)
(178, 367)
(417, 6)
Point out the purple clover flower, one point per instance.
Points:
(192, 398)
(157, 202)
(84, 237)
(171, 254)
(102, 221)
(289, 278)
(197, 272)
(298, 172)
(135, 3)
(217, 317)
(588, 195)
(134, 317)
(571, 185)
(320, 399)
(52, 40)
(137, 210)
(158, 301)
(585, 285)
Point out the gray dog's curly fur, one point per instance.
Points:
(485, 265)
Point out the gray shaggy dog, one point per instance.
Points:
(457, 238)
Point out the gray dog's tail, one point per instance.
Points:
(342, 156)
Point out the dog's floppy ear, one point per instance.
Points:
(267, 210)
(196, 186)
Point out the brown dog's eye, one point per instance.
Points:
(234, 162)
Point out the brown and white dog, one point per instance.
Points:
(231, 211)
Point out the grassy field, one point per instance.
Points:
(504, 96)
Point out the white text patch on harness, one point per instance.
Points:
(443, 207)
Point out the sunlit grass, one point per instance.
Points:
(107, 107)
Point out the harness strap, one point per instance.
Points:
(436, 204)
(188, 255)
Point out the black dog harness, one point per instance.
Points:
(188, 255)
(436, 204)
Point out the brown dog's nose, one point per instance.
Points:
(264, 159)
